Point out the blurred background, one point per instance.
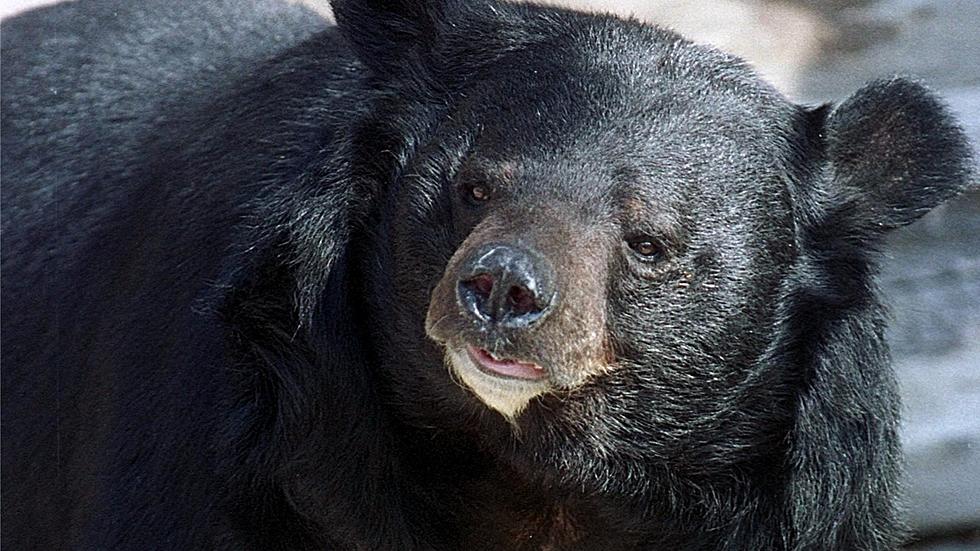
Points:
(821, 51)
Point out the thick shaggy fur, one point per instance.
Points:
(224, 224)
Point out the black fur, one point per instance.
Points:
(223, 222)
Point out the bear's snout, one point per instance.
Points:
(506, 286)
(520, 311)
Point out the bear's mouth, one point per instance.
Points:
(485, 361)
(505, 385)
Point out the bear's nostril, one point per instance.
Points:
(521, 300)
(475, 295)
(481, 285)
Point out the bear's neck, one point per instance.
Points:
(482, 503)
(487, 505)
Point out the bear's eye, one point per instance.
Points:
(645, 248)
(475, 193)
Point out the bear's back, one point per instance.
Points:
(87, 84)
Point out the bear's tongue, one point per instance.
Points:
(507, 368)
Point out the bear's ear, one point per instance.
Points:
(387, 34)
(895, 151)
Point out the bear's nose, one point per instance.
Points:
(506, 286)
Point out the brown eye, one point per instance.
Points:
(476, 193)
(645, 248)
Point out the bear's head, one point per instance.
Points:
(617, 239)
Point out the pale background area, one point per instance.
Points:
(821, 51)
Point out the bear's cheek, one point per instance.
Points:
(692, 334)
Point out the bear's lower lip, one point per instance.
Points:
(506, 368)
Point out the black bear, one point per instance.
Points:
(449, 275)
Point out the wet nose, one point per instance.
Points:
(506, 286)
